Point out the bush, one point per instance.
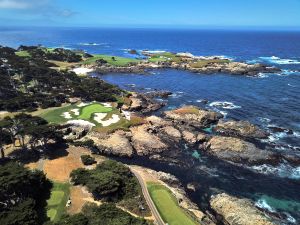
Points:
(88, 160)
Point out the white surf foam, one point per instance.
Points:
(280, 61)
(283, 170)
(224, 105)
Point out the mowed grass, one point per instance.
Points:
(88, 111)
(166, 56)
(167, 205)
(119, 61)
(56, 205)
(55, 115)
(23, 54)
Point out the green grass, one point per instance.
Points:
(119, 61)
(88, 111)
(55, 115)
(56, 205)
(166, 56)
(167, 205)
(23, 54)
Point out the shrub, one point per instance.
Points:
(88, 160)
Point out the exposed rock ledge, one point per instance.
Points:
(242, 129)
(193, 116)
(230, 67)
(239, 151)
(233, 211)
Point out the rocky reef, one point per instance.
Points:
(204, 65)
(232, 211)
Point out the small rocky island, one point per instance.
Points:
(186, 61)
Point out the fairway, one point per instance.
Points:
(118, 61)
(88, 111)
(167, 206)
(56, 205)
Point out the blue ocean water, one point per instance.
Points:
(271, 100)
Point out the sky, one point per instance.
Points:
(283, 14)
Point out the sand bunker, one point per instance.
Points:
(108, 105)
(82, 123)
(115, 118)
(82, 104)
(76, 112)
(126, 114)
(99, 117)
(82, 70)
(67, 115)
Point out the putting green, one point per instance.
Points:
(56, 197)
(88, 111)
(56, 205)
(51, 213)
(167, 206)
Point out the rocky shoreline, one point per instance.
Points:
(188, 62)
(162, 138)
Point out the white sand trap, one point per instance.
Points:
(108, 105)
(99, 117)
(76, 112)
(127, 114)
(82, 123)
(115, 118)
(82, 70)
(82, 104)
(66, 115)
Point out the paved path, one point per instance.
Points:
(159, 220)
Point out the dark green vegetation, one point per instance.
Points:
(56, 204)
(28, 83)
(112, 181)
(57, 54)
(167, 205)
(87, 160)
(23, 195)
(107, 214)
(31, 132)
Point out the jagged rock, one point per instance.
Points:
(237, 150)
(235, 211)
(189, 137)
(201, 137)
(172, 132)
(240, 129)
(146, 143)
(144, 104)
(73, 133)
(114, 144)
(158, 121)
(161, 94)
(193, 116)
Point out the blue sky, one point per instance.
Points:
(152, 13)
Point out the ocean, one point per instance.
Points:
(269, 100)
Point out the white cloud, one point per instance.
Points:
(37, 7)
(14, 4)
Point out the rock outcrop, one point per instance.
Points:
(193, 116)
(146, 143)
(116, 144)
(239, 151)
(242, 129)
(233, 211)
(143, 104)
